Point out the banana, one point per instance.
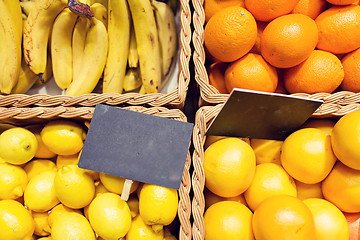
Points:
(26, 79)
(147, 44)
(61, 48)
(166, 25)
(26, 7)
(119, 37)
(10, 48)
(132, 80)
(133, 58)
(142, 90)
(37, 32)
(94, 56)
(100, 12)
(14, 9)
(103, 2)
(48, 72)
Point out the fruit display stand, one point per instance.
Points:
(41, 115)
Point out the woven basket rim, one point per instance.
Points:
(175, 98)
(335, 104)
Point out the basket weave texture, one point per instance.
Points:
(24, 116)
(174, 99)
(336, 104)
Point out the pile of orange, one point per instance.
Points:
(308, 46)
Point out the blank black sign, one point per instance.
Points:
(136, 146)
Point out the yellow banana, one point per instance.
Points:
(10, 48)
(37, 32)
(61, 48)
(100, 12)
(147, 44)
(26, 7)
(142, 90)
(132, 80)
(119, 37)
(133, 58)
(103, 2)
(48, 72)
(166, 25)
(26, 79)
(14, 9)
(94, 56)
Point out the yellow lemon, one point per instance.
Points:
(58, 211)
(228, 220)
(342, 188)
(158, 205)
(133, 203)
(211, 198)
(17, 145)
(326, 125)
(266, 151)
(42, 227)
(63, 137)
(345, 139)
(100, 188)
(42, 150)
(305, 191)
(62, 160)
(283, 217)
(270, 179)
(109, 216)
(115, 184)
(45, 238)
(2, 160)
(72, 226)
(307, 155)
(13, 181)
(229, 166)
(40, 195)
(330, 222)
(38, 166)
(15, 221)
(74, 188)
(140, 231)
(211, 139)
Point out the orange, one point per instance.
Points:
(266, 151)
(260, 29)
(251, 72)
(228, 220)
(353, 220)
(229, 166)
(305, 191)
(342, 2)
(345, 139)
(283, 217)
(351, 65)
(230, 34)
(321, 72)
(216, 72)
(267, 10)
(270, 180)
(330, 222)
(311, 8)
(211, 198)
(326, 125)
(289, 40)
(213, 6)
(342, 188)
(339, 29)
(307, 155)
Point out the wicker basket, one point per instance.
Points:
(174, 99)
(336, 104)
(24, 116)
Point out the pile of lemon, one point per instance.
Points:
(45, 195)
(305, 187)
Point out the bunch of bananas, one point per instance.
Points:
(129, 44)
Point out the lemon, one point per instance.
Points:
(307, 155)
(45, 238)
(305, 191)
(266, 151)
(140, 231)
(40, 195)
(13, 181)
(283, 217)
(42, 227)
(228, 220)
(74, 188)
(63, 137)
(158, 205)
(326, 125)
(133, 203)
(229, 166)
(38, 166)
(2, 160)
(211, 139)
(72, 226)
(345, 139)
(66, 160)
(109, 216)
(15, 221)
(58, 211)
(100, 188)
(330, 222)
(42, 150)
(211, 198)
(17, 145)
(270, 179)
(115, 184)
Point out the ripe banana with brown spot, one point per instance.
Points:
(94, 59)
(148, 46)
(61, 48)
(14, 9)
(133, 58)
(100, 12)
(132, 80)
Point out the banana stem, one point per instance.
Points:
(80, 8)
